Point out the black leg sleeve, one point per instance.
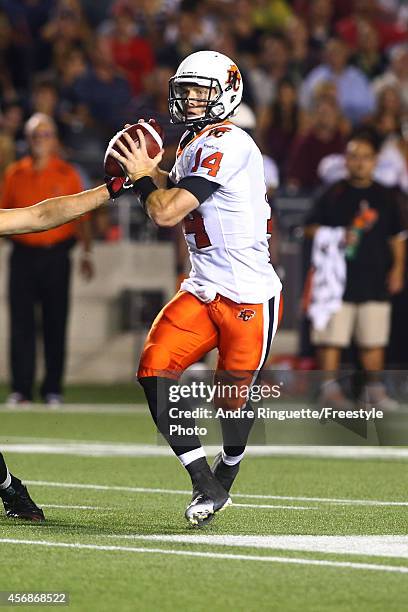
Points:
(176, 429)
(235, 432)
(3, 469)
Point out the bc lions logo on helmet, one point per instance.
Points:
(246, 314)
(234, 77)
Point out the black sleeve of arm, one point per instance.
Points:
(398, 220)
(170, 183)
(316, 215)
(199, 186)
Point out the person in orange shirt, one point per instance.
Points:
(39, 272)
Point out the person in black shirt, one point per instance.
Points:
(375, 256)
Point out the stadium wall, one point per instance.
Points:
(101, 345)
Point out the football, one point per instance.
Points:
(153, 134)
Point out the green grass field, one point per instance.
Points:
(116, 539)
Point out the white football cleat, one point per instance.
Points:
(209, 497)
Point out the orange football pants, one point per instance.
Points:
(186, 329)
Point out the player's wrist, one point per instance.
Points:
(139, 174)
(143, 187)
(159, 176)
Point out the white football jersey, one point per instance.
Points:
(227, 235)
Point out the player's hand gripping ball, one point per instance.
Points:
(153, 134)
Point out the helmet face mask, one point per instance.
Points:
(182, 103)
(207, 88)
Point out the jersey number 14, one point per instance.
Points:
(193, 223)
(211, 162)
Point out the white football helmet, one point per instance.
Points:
(213, 71)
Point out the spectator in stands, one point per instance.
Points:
(320, 16)
(355, 97)
(301, 59)
(206, 18)
(246, 34)
(7, 156)
(131, 53)
(83, 138)
(338, 8)
(11, 122)
(389, 33)
(183, 37)
(319, 20)
(40, 264)
(271, 16)
(391, 169)
(7, 89)
(328, 90)
(368, 56)
(154, 104)
(45, 99)
(96, 12)
(28, 53)
(272, 66)
(308, 149)
(102, 93)
(386, 124)
(150, 17)
(389, 101)
(72, 68)
(280, 123)
(375, 259)
(66, 29)
(397, 74)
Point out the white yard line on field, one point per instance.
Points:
(371, 546)
(274, 506)
(85, 448)
(77, 408)
(69, 507)
(209, 555)
(97, 487)
(88, 449)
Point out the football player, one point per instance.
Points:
(59, 210)
(45, 215)
(230, 300)
(16, 500)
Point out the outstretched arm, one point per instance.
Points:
(52, 212)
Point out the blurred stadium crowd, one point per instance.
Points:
(313, 71)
